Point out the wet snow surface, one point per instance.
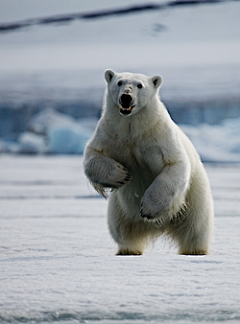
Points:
(57, 258)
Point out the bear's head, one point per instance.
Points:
(131, 92)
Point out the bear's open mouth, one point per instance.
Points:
(126, 111)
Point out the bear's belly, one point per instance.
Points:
(143, 162)
(143, 169)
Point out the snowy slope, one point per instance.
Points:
(161, 41)
(57, 258)
(195, 48)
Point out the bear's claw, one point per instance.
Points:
(150, 217)
(128, 177)
(145, 216)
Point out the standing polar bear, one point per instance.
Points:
(158, 182)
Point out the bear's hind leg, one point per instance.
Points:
(128, 231)
(193, 248)
(133, 243)
(194, 232)
(133, 239)
(194, 235)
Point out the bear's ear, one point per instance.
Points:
(109, 74)
(157, 81)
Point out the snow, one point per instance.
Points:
(190, 36)
(198, 41)
(42, 68)
(58, 264)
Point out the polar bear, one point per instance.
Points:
(158, 183)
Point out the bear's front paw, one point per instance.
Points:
(149, 213)
(118, 177)
(146, 211)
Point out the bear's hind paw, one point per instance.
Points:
(194, 253)
(128, 252)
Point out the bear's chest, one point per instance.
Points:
(144, 160)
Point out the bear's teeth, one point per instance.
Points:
(129, 108)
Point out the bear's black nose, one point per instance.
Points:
(126, 100)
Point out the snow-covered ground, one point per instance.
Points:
(57, 258)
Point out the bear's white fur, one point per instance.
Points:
(158, 182)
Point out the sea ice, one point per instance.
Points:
(57, 258)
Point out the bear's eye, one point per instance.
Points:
(119, 83)
(139, 86)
